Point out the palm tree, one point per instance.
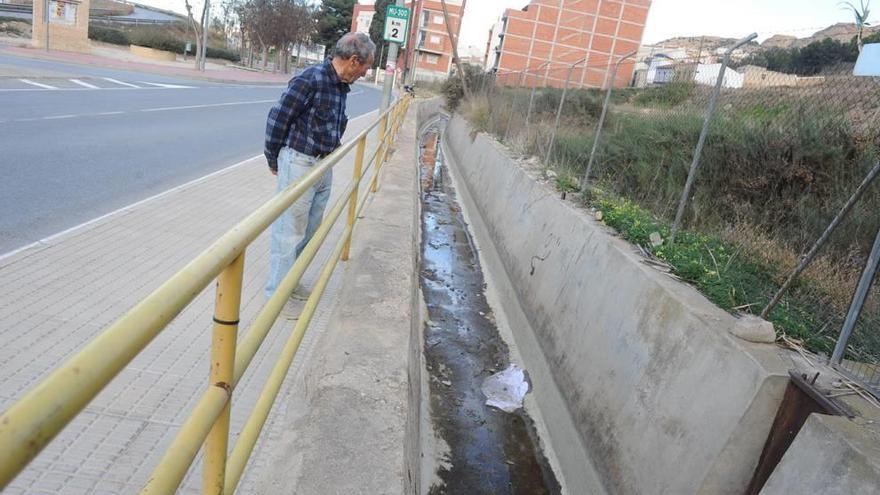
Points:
(861, 15)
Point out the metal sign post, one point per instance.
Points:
(46, 21)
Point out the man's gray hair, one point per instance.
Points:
(355, 45)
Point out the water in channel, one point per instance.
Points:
(490, 451)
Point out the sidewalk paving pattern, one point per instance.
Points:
(58, 295)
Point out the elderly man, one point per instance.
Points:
(304, 126)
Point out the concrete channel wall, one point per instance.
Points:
(658, 394)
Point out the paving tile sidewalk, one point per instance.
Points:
(56, 296)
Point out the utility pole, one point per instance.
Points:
(390, 68)
(454, 41)
(700, 56)
(414, 42)
(207, 19)
(46, 20)
(198, 35)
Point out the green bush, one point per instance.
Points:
(666, 96)
(108, 35)
(717, 269)
(453, 90)
(157, 39)
(222, 53)
(10, 30)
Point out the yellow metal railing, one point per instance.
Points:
(32, 422)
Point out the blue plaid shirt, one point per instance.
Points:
(310, 116)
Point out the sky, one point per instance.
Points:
(667, 18)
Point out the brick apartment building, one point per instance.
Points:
(547, 36)
(362, 17)
(429, 48)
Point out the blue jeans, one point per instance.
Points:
(296, 226)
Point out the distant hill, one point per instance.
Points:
(693, 43)
(843, 32)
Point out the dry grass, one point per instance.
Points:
(827, 278)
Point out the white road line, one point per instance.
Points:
(125, 208)
(39, 85)
(167, 86)
(84, 84)
(157, 196)
(110, 113)
(57, 117)
(114, 81)
(163, 109)
(19, 90)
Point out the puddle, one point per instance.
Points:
(489, 451)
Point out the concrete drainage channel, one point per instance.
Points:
(476, 448)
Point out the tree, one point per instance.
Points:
(807, 61)
(278, 24)
(377, 27)
(861, 14)
(255, 18)
(197, 30)
(334, 20)
(294, 23)
(228, 20)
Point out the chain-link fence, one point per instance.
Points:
(780, 156)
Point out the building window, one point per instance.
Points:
(432, 59)
(426, 18)
(435, 39)
(438, 19)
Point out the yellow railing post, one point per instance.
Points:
(383, 147)
(352, 206)
(226, 313)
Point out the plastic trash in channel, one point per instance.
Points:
(505, 390)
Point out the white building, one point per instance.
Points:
(661, 70)
(707, 74)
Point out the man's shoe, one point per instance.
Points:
(300, 293)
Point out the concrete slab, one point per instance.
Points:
(831, 455)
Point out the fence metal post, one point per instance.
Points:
(710, 112)
(559, 110)
(513, 106)
(226, 312)
(602, 120)
(352, 205)
(858, 301)
(532, 96)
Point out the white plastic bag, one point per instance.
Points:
(506, 389)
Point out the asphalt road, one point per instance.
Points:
(74, 153)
